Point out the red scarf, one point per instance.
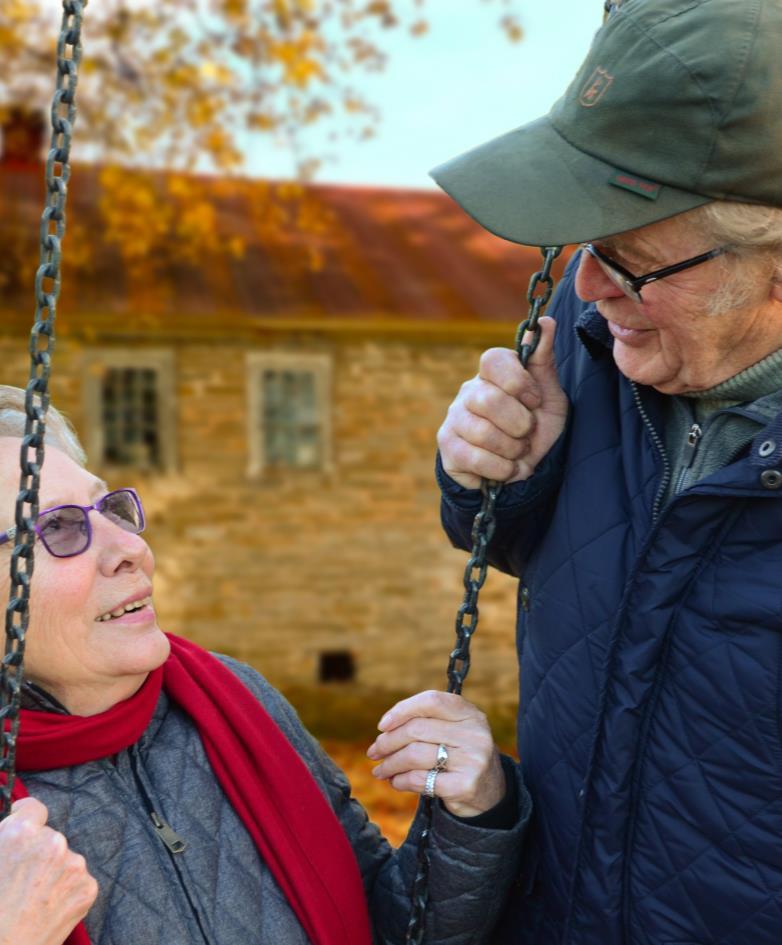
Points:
(269, 786)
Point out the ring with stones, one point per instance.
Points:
(442, 758)
(431, 777)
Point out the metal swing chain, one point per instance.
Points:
(474, 578)
(47, 291)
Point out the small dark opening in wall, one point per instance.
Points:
(336, 666)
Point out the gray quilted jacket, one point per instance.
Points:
(218, 890)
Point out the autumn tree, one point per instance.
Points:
(185, 85)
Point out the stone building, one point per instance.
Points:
(274, 394)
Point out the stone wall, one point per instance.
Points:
(278, 568)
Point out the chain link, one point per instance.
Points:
(47, 291)
(540, 289)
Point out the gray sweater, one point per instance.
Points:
(219, 891)
(705, 430)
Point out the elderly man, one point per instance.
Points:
(642, 453)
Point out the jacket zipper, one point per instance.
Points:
(167, 834)
(666, 477)
(169, 837)
(694, 437)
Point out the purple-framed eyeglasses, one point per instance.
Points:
(65, 530)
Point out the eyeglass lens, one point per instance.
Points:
(64, 531)
(618, 279)
(122, 509)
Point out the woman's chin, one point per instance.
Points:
(143, 653)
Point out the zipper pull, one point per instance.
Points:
(693, 438)
(168, 835)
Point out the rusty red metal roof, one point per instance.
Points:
(313, 251)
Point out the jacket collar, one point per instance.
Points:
(766, 447)
(592, 331)
(39, 700)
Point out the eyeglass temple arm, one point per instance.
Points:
(680, 267)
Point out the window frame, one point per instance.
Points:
(320, 366)
(96, 363)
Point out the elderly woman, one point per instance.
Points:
(642, 452)
(186, 786)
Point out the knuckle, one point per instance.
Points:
(22, 831)
(523, 421)
(484, 399)
(493, 358)
(75, 863)
(447, 435)
(501, 469)
(30, 807)
(463, 454)
(54, 844)
(467, 385)
(477, 430)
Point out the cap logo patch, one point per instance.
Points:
(636, 185)
(596, 87)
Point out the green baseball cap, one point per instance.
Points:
(678, 103)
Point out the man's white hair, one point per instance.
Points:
(754, 234)
(59, 431)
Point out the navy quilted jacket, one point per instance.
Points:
(650, 644)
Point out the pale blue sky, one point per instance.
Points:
(461, 84)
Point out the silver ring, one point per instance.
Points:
(431, 777)
(442, 758)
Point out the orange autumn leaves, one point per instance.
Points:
(178, 88)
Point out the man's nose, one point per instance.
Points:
(592, 282)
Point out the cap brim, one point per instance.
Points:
(531, 186)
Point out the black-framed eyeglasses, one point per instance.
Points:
(631, 285)
(65, 530)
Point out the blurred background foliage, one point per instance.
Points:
(190, 86)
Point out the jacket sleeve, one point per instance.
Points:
(522, 511)
(523, 508)
(471, 869)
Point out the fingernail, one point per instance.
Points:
(375, 772)
(384, 721)
(371, 751)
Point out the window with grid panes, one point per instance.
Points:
(289, 411)
(130, 408)
(292, 428)
(130, 411)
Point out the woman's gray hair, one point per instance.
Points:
(754, 234)
(59, 430)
